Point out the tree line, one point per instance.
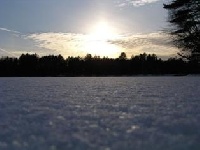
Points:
(143, 64)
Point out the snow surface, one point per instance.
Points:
(138, 113)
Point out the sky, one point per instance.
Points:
(79, 27)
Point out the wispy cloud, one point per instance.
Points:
(69, 44)
(72, 44)
(136, 3)
(158, 43)
(64, 43)
(14, 43)
(8, 30)
(7, 52)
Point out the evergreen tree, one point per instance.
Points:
(184, 15)
(122, 56)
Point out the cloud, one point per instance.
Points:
(136, 3)
(157, 43)
(70, 44)
(7, 30)
(7, 52)
(67, 44)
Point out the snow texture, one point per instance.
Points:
(110, 113)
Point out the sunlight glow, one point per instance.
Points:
(102, 31)
(97, 40)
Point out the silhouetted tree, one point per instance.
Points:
(33, 65)
(9, 66)
(122, 56)
(75, 66)
(88, 57)
(52, 65)
(184, 15)
(28, 64)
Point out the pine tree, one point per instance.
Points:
(184, 15)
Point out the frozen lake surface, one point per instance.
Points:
(137, 113)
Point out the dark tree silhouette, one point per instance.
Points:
(122, 56)
(9, 66)
(28, 64)
(184, 15)
(33, 65)
(52, 65)
(88, 57)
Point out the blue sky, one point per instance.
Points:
(78, 27)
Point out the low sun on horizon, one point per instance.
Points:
(97, 40)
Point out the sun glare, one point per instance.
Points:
(102, 31)
(98, 40)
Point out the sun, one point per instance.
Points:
(97, 42)
(102, 31)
